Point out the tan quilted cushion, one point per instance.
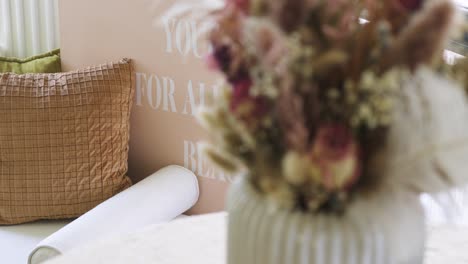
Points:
(63, 141)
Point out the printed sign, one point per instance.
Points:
(171, 80)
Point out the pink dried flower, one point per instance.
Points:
(227, 49)
(242, 5)
(212, 63)
(411, 5)
(269, 41)
(241, 92)
(335, 153)
(245, 106)
(229, 29)
(341, 20)
(222, 57)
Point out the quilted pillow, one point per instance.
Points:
(48, 62)
(63, 141)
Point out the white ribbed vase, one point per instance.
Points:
(387, 230)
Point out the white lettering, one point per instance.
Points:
(169, 28)
(140, 88)
(195, 161)
(197, 37)
(180, 37)
(169, 91)
(189, 156)
(154, 101)
(159, 94)
(189, 100)
(185, 36)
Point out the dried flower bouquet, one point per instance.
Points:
(326, 101)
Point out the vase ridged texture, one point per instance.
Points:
(260, 234)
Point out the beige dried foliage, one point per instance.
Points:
(221, 159)
(290, 111)
(424, 37)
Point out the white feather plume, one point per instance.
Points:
(427, 150)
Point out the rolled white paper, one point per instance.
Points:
(159, 198)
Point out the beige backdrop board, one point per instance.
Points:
(171, 80)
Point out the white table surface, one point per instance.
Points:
(201, 240)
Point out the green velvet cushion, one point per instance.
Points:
(45, 63)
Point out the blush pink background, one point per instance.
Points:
(93, 32)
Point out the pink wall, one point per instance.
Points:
(171, 80)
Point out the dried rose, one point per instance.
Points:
(230, 21)
(335, 154)
(242, 5)
(267, 42)
(244, 105)
(411, 5)
(228, 53)
(241, 93)
(221, 58)
(228, 59)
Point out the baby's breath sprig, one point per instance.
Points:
(371, 100)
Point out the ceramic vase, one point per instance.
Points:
(373, 230)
